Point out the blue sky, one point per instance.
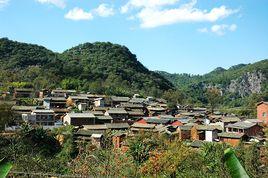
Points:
(178, 36)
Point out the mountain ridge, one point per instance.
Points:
(100, 67)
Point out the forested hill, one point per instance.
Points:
(239, 84)
(223, 77)
(97, 67)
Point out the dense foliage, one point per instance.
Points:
(34, 150)
(195, 87)
(98, 67)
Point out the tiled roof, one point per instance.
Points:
(79, 98)
(143, 126)
(97, 113)
(56, 99)
(135, 113)
(209, 127)
(83, 132)
(43, 111)
(155, 120)
(156, 108)
(120, 98)
(117, 111)
(117, 125)
(24, 89)
(95, 127)
(130, 105)
(231, 119)
(137, 100)
(63, 91)
(81, 115)
(24, 108)
(230, 135)
(241, 125)
(104, 118)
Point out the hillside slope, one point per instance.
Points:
(97, 67)
(244, 79)
(242, 85)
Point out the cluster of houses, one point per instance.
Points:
(93, 115)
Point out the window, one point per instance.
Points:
(264, 114)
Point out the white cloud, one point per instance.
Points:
(104, 10)
(221, 29)
(233, 27)
(3, 3)
(58, 3)
(202, 30)
(78, 14)
(153, 14)
(146, 3)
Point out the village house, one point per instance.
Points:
(156, 110)
(57, 104)
(137, 100)
(23, 93)
(185, 131)
(62, 93)
(232, 138)
(85, 133)
(117, 100)
(54, 102)
(83, 101)
(135, 111)
(99, 102)
(96, 113)
(246, 127)
(17, 111)
(101, 119)
(97, 128)
(100, 109)
(169, 130)
(138, 127)
(183, 120)
(135, 114)
(78, 119)
(118, 126)
(226, 120)
(262, 112)
(156, 120)
(118, 140)
(118, 114)
(44, 117)
(208, 133)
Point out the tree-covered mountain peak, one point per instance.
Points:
(100, 67)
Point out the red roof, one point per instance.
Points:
(177, 123)
(141, 121)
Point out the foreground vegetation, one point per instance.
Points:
(37, 150)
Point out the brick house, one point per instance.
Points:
(205, 132)
(23, 93)
(185, 131)
(246, 127)
(262, 112)
(78, 119)
(232, 138)
(118, 140)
